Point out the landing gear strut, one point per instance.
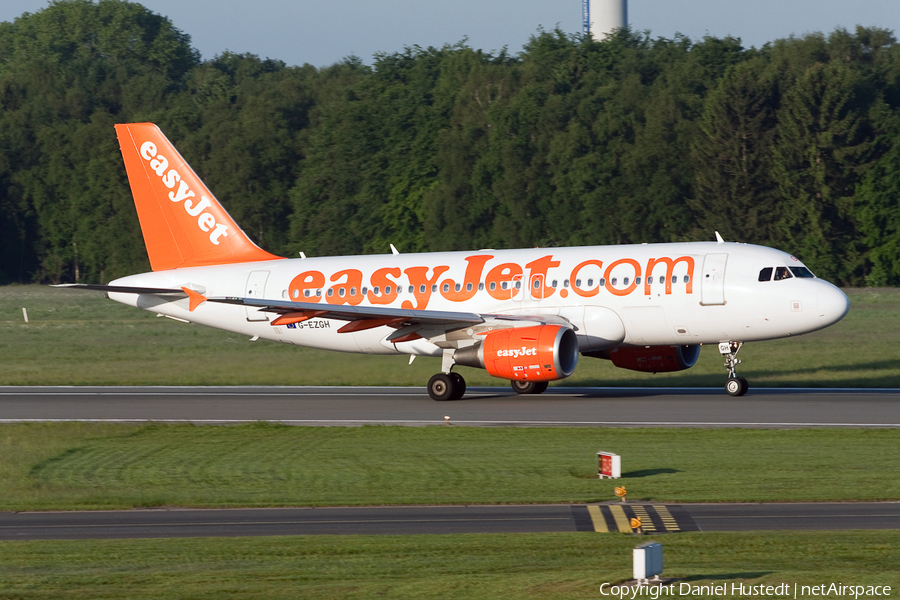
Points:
(528, 387)
(446, 386)
(734, 385)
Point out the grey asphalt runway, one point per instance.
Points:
(588, 407)
(656, 518)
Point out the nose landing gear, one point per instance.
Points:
(734, 385)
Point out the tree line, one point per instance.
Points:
(634, 139)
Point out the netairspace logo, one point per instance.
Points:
(784, 590)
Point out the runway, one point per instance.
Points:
(488, 407)
(656, 519)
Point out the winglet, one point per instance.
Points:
(719, 239)
(394, 250)
(195, 298)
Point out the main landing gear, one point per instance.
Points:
(734, 385)
(452, 386)
(446, 386)
(528, 387)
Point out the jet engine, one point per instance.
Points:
(537, 353)
(654, 359)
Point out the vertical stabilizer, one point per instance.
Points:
(182, 222)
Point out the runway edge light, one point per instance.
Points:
(609, 465)
(648, 561)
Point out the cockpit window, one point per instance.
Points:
(802, 272)
(782, 273)
(765, 274)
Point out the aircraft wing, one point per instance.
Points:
(410, 324)
(359, 317)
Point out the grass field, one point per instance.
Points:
(489, 566)
(80, 338)
(89, 466)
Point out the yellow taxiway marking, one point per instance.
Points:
(641, 513)
(619, 516)
(668, 520)
(597, 518)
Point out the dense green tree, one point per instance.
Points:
(568, 142)
(735, 192)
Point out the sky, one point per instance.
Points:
(323, 32)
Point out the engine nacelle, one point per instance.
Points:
(655, 359)
(538, 353)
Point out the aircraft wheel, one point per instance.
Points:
(734, 387)
(459, 386)
(528, 387)
(744, 386)
(440, 387)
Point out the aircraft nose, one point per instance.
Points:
(832, 305)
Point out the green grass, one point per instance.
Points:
(80, 338)
(561, 566)
(89, 465)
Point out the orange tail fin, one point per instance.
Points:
(182, 222)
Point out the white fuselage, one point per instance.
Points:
(650, 294)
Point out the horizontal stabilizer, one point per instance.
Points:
(121, 289)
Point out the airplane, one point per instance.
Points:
(523, 315)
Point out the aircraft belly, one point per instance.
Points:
(647, 325)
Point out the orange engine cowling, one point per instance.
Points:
(538, 353)
(655, 359)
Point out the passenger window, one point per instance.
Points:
(566, 283)
(446, 287)
(434, 288)
(480, 287)
(590, 283)
(537, 284)
(376, 290)
(553, 285)
(637, 281)
(662, 279)
(457, 287)
(422, 289)
(765, 274)
(625, 281)
(802, 272)
(353, 291)
(578, 283)
(782, 273)
(493, 285)
(387, 289)
(602, 281)
(687, 278)
(469, 287)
